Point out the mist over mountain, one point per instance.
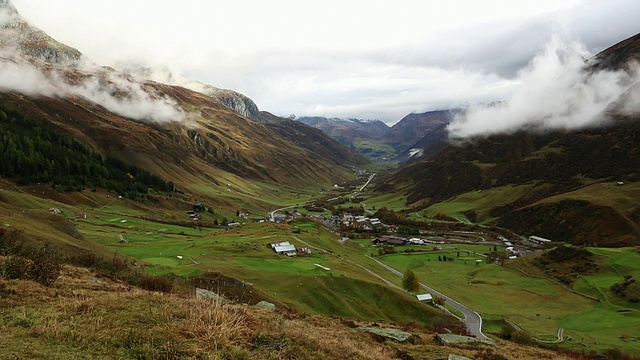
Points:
(560, 142)
(560, 89)
(179, 133)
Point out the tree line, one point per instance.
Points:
(31, 152)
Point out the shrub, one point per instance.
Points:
(85, 258)
(42, 265)
(614, 354)
(15, 267)
(9, 242)
(155, 283)
(45, 265)
(522, 337)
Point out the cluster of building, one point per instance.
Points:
(350, 220)
(399, 241)
(288, 249)
(194, 215)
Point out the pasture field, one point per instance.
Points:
(537, 305)
(257, 196)
(620, 263)
(620, 198)
(391, 201)
(350, 288)
(479, 201)
(344, 290)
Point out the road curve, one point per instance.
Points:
(472, 319)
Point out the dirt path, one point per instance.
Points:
(557, 341)
(376, 275)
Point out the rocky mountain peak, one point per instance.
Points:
(31, 42)
(7, 4)
(8, 14)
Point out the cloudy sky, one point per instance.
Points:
(376, 59)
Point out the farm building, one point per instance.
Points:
(396, 241)
(538, 239)
(389, 240)
(285, 249)
(278, 243)
(425, 297)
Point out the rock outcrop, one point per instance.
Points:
(32, 42)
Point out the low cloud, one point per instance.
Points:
(25, 80)
(116, 92)
(129, 98)
(555, 91)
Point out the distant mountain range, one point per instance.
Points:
(379, 142)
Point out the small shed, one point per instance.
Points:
(284, 249)
(425, 297)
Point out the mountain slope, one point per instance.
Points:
(568, 179)
(181, 134)
(413, 127)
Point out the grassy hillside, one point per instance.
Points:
(566, 186)
(538, 301)
(87, 316)
(156, 236)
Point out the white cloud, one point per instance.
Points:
(294, 57)
(556, 92)
(129, 98)
(117, 93)
(16, 77)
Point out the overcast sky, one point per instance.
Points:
(375, 59)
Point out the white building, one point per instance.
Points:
(284, 249)
(538, 239)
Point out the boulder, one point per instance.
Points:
(266, 305)
(393, 334)
(457, 357)
(452, 339)
(206, 294)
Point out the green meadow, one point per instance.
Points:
(352, 286)
(535, 304)
(304, 282)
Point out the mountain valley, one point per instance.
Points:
(126, 195)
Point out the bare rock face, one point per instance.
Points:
(8, 6)
(23, 39)
(237, 102)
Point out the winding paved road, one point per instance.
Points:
(471, 318)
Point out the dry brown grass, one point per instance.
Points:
(80, 317)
